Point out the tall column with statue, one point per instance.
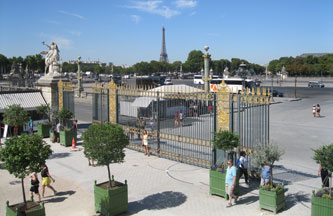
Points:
(79, 77)
(206, 78)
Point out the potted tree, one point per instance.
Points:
(44, 128)
(322, 200)
(15, 116)
(105, 143)
(271, 196)
(23, 155)
(226, 141)
(67, 134)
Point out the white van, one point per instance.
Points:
(198, 80)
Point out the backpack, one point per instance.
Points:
(237, 162)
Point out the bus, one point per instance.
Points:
(198, 80)
(235, 84)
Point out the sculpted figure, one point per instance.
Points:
(52, 57)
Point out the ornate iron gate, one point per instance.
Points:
(181, 120)
(66, 95)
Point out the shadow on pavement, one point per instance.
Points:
(59, 155)
(287, 176)
(247, 200)
(166, 199)
(299, 197)
(56, 198)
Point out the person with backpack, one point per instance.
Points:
(243, 164)
(34, 186)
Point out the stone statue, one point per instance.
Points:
(51, 59)
(226, 72)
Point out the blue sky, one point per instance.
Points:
(129, 31)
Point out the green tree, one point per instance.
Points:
(194, 61)
(323, 156)
(23, 155)
(267, 155)
(105, 144)
(65, 115)
(15, 116)
(227, 141)
(44, 110)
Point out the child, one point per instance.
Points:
(265, 174)
(34, 186)
(314, 110)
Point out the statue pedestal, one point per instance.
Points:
(49, 87)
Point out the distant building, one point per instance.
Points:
(87, 63)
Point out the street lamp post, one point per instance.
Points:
(206, 66)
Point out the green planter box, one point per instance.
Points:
(321, 206)
(272, 200)
(217, 183)
(111, 202)
(34, 209)
(66, 137)
(43, 130)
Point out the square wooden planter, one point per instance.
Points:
(33, 209)
(321, 206)
(43, 130)
(272, 200)
(111, 201)
(217, 183)
(66, 137)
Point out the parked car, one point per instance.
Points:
(168, 82)
(277, 93)
(316, 84)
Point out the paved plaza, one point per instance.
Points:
(159, 186)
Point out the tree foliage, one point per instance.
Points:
(304, 66)
(324, 156)
(267, 155)
(15, 115)
(105, 144)
(44, 110)
(23, 155)
(226, 140)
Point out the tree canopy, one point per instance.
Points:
(105, 144)
(323, 156)
(304, 66)
(15, 115)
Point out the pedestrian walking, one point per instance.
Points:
(31, 126)
(318, 110)
(176, 119)
(265, 174)
(181, 119)
(58, 132)
(34, 186)
(75, 125)
(230, 182)
(151, 124)
(243, 164)
(145, 142)
(324, 176)
(314, 110)
(46, 180)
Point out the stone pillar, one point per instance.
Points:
(206, 71)
(50, 91)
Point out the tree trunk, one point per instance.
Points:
(108, 166)
(22, 183)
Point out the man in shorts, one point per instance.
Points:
(230, 182)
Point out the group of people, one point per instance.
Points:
(46, 182)
(316, 110)
(179, 119)
(242, 165)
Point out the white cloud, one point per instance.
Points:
(61, 41)
(75, 33)
(136, 18)
(193, 13)
(154, 7)
(71, 14)
(185, 3)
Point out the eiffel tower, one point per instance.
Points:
(163, 55)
